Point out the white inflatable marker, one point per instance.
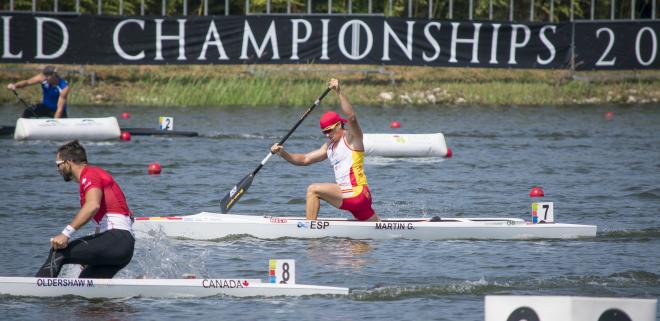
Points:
(405, 145)
(105, 128)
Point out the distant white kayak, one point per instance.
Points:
(156, 288)
(210, 226)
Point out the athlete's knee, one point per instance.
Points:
(313, 189)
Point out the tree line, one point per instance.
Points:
(542, 10)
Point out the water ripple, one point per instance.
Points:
(627, 279)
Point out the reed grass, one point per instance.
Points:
(297, 85)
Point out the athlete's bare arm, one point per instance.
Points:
(61, 102)
(92, 204)
(312, 157)
(34, 80)
(355, 135)
(87, 211)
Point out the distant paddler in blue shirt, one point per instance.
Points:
(55, 91)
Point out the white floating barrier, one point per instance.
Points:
(405, 145)
(105, 128)
(568, 308)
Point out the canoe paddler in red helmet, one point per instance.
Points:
(345, 150)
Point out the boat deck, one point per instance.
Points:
(210, 226)
(157, 288)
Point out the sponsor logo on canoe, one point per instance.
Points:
(394, 226)
(65, 282)
(233, 191)
(314, 225)
(399, 139)
(278, 220)
(234, 195)
(224, 284)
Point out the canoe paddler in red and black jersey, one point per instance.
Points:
(102, 200)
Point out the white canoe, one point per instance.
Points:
(211, 226)
(405, 145)
(105, 128)
(157, 288)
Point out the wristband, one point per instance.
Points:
(68, 231)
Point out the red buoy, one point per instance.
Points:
(449, 153)
(536, 192)
(609, 115)
(125, 115)
(126, 136)
(154, 169)
(395, 124)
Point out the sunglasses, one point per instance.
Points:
(59, 162)
(329, 129)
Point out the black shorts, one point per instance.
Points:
(40, 111)
(102, 255)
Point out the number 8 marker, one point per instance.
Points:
(282, 271)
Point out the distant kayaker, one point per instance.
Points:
(345, 150)
(109, 250)
(55, 91)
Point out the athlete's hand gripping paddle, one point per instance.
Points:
(239, 189)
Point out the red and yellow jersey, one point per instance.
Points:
(348, 165)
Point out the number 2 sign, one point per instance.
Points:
(166, 123)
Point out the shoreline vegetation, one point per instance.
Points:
(297, 85)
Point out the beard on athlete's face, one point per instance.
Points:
(66, 173)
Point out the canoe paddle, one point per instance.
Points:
(20, 99)
(239, 189)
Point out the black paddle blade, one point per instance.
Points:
(239, 189)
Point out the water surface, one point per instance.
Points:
(595, 171)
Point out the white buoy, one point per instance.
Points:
(105, 128)
(405, 145)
